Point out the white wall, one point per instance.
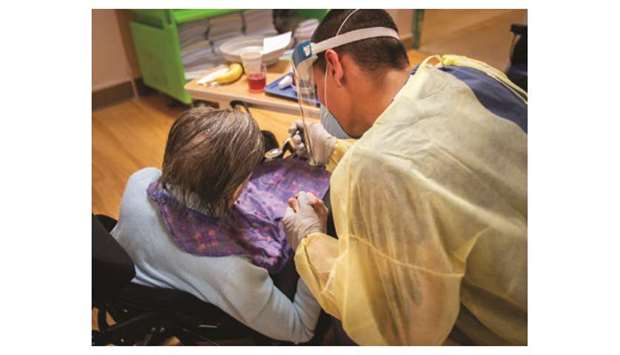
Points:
(111, 63)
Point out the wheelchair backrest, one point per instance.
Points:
(112, 268)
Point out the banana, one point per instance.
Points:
(233, 74)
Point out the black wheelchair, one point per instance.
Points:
(150, 316)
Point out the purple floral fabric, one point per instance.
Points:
(254, 229)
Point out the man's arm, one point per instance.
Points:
(340, 148)
(314, 259)
(388, 277)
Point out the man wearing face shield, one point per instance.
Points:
(429, 200)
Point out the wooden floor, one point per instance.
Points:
(481, 34)
(126, 137)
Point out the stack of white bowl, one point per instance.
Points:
(259, 23)
(305, 29)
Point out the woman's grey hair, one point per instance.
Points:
(209, 155)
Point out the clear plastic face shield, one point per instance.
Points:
(303, 59)
(305, 55)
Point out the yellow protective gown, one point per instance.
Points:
(430, 207)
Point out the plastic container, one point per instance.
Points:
(254, 69)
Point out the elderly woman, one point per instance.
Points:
(210, 224)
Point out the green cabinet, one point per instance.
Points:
(156, 41)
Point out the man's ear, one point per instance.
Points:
(334, 66)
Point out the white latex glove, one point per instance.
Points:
(321, 142)
(306, 214)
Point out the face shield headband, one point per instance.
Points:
(305, 53)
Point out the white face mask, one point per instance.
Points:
(331, 125)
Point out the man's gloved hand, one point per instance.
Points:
(321, 143)
(306, 214)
